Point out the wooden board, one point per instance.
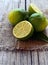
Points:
(24, 58)
(7, 40)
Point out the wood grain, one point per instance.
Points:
(34, 58)
(24, 58)
(42, 58)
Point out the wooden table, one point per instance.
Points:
(14, 57)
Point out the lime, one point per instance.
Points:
(38, 21)
(47, 21)
(33, 9)
(23, 30)
(16, 16)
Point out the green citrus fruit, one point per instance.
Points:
(23, 30)
(47, 21)
(16, 16)
(33, 9)
(38, 21)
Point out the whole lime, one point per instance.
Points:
(38, 21)
(16, 16)
(23, 30)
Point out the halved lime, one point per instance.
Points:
(23, 30)
(34, 9)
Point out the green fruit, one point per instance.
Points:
(47, 21)
(16, 16)
(33, 9)
(38, 21)
(23, 30)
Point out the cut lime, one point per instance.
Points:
(23, 30)
(16, 16)
(33, 9)
(38, 21)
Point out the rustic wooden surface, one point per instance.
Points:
(24, 58)
(8, 56)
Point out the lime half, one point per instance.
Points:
(23, 30)
(33, 9)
